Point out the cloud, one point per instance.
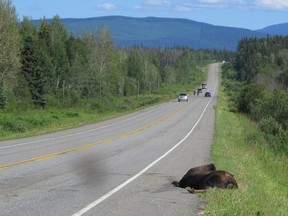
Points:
(153, 5)
(157, 2)
(212, 2)
(193, 5)
(252, 4)
(198, 5)
(184, 8)
(106, 6)
(272, 4)
(220, 3)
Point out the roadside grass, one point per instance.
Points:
(22, 123)
(262, 176)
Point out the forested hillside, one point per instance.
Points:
(257, 81)
(259, 60)
(278, 29)
(161, 32)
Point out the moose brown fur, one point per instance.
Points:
(199, 179)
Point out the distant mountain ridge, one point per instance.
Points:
(165, 32)
(279, 29)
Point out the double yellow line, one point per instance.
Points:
(48, 156)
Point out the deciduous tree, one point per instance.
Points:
(9, 52)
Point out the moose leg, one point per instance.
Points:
(192, 190)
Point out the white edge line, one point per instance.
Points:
(119, 187)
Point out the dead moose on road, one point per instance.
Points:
(199, 179)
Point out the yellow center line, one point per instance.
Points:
(52, 155)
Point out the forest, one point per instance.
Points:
(265, 57)
(257, 82)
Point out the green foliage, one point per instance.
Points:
(9, 52)
(262, 56)
(12, 125)
(15, 123)
(270, 126)
(283, 78)
(280, 107)
(135, 67)
(2, 96)
(249, 97)
(31, 70)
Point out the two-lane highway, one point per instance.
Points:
(123, 166)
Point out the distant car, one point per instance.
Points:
(204, 86)
(207, 94)
(183, 97)
(199, 91)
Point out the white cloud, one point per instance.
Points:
(184, 8)
(211, 1)
(196, 5)
(187, 5)
(157, 2)
(153, 5)
(252, 4)
(106, 6)
(220, 3)
(273, 4)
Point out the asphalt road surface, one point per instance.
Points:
(123, 166)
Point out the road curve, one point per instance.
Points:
(123, 166)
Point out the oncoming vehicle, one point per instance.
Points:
(207, 94)
(204, 86)
(183, 97)
(199, 91)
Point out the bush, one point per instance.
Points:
(270, 126)
(275, 105)
(13, 126)
(72, 114)
(2, 96)
(249, 97)
(38, 120)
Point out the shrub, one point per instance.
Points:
(249, 97)
(276, 106)
(72, 114)
(270, 126)
(2, 96)
(13, 125)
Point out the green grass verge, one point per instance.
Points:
(23, 123)
(261, 175)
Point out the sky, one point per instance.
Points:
(249, 14)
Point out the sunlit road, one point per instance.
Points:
(121, 167)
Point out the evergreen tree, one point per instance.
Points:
(31, 69)
(46, 56)
(135, 69)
